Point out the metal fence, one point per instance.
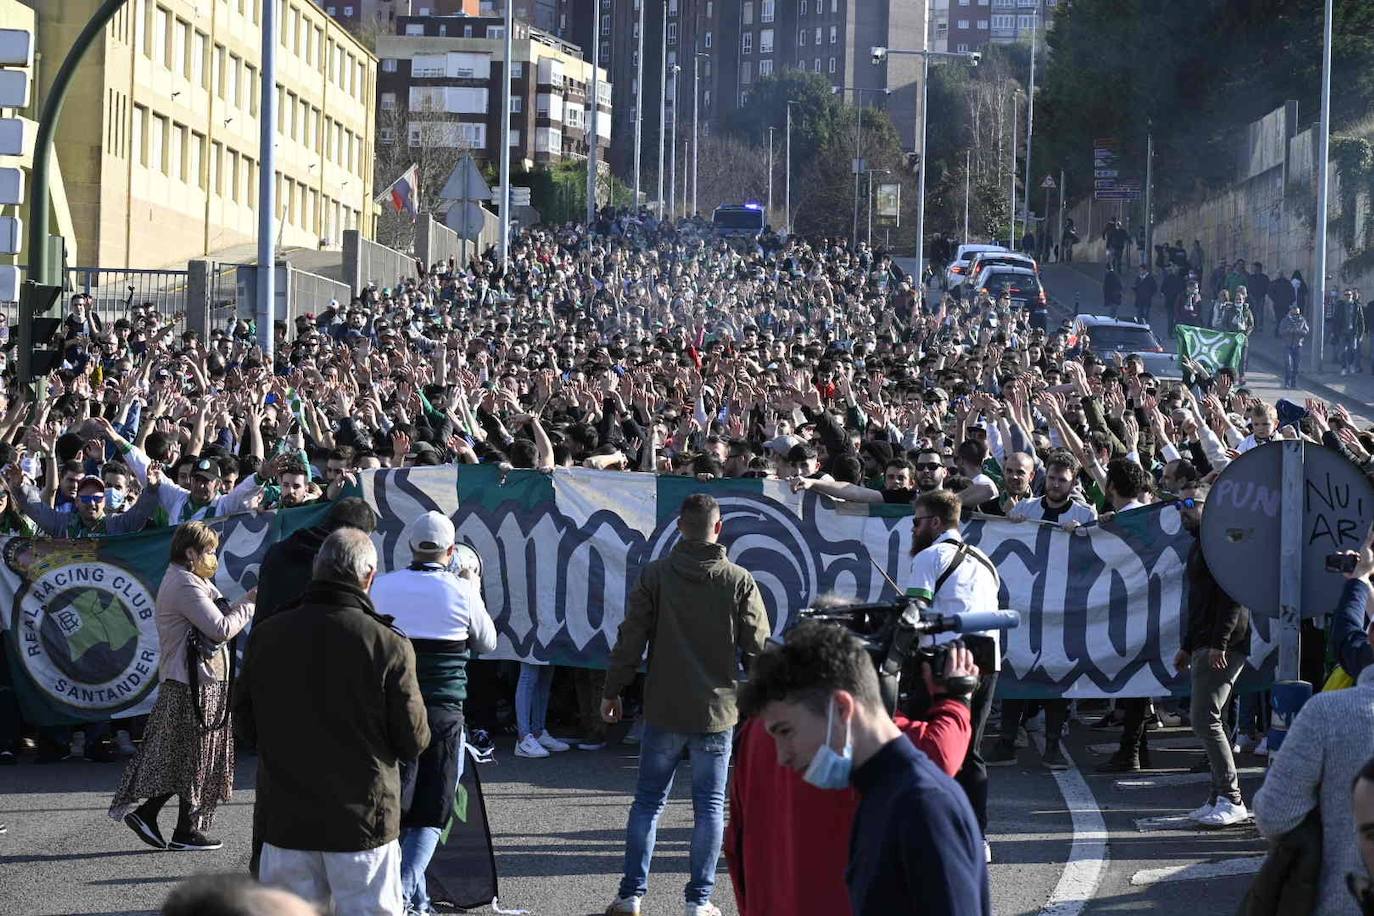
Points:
(114, 290)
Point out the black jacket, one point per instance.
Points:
(1215, 620)
(1289, 880)
(285, 571)
(1145, 289)
(328, 696)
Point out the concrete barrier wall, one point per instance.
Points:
(1263, 215)
(307, 292)
(365, 260)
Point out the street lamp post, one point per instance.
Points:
(787, 194)
(672, 143)
(1015, 119)
(1317, 318)
(879, 54)
(639, 100)
(968, 175)
(505, 137)
(1030, 120)
(769, 211)
(592, 128)
(696, 110)
(662, 104)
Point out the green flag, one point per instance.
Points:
(1210, 349)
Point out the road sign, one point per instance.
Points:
(889, 209)
(466, 219)
(465, 183)
(1241, 526)
(1048, 184)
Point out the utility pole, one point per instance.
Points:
(968, 176)
(696, 124)
(505, 134)
(596, 105)
(639, 98)
(1030, 117)
(770, 173)
(787, 193)
(1061, 214)
(1149, 194)
(662, 102)
(672, 143)
(858, 164)
(1318, 317)
(1015, 113)
(265, 312)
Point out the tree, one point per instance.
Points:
(421, 138)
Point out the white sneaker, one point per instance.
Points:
(987, 851)
(701, 909)
(529, 746)
(623, 906)
(125, 743)
(1262, 749)
(1226, 814)
(551, 743)
(1202, 812)
(1244, 744)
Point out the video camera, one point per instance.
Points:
(891, 631)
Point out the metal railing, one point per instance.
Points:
(114, 289)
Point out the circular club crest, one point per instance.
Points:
(86, 635)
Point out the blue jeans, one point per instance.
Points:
(1294, 361)
(532, 698)
(659, 754)
(417, 848)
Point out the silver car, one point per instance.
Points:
(1116, 335)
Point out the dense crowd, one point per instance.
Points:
(641, 345)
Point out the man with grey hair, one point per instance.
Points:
(330, 699)
(443, 614)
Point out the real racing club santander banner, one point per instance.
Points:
(1102, 609)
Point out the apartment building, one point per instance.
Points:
(974, 24)
(158, 142)
(441, 82)
(362, 16)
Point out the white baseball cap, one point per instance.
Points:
(430, 533)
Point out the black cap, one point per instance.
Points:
(206, 467)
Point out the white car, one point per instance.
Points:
(958, 268)
(1116, 335)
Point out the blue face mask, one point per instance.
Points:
(114, 499)
(828, 769)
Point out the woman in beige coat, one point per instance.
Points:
(188, 746)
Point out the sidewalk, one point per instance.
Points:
(1355, 391)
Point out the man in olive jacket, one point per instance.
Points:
(329, 697)
(697, 613)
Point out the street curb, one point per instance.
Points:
(1273, 365)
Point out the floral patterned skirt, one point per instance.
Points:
(179, 756)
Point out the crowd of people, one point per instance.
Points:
(640, 346)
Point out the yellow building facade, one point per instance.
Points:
(159, 137)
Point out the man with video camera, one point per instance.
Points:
(950, 577)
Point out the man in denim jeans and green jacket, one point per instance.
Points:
(696, 612)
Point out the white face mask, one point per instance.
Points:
(828, 769)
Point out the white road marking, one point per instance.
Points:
(1223, 869)
(1087, 861)
(1180, 743)
(1181, 779)
(1180, 822)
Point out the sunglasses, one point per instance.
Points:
(929, 466)
(93, 499)
(1189, 502)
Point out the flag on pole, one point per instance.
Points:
(1210, 349)
(404, 190)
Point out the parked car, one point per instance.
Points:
(958, 268)
(1116, 335)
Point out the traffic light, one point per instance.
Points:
(40, 350)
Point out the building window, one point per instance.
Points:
(767, 10)
(706, 97)
(140, 150)
(672, 33)
(417, 29)
(983, 24)
(962, 23)
(766, 41)
(819, 36)
(801, 38)
(765, 68)
(961, 47)
(747, 43)
(941, 29)
(803, 8)
(706, 40)
(834, 34)
(388, 101)
(157, 136)
(710, 8)
(748, 12)
(332, 10)
(387, 135)
(746, 72)
(605, 25)
(1003, 21)
(517, 69)
(834, 6)
(1025, 22)
(467, 31)
(816, 65)
(348, 12)
(517, 104)
(832, 65)
(672, 7)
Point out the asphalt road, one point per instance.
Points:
(558, 824)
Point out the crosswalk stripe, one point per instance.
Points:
(1223, 869)
(1180, 779)
(1087, 861)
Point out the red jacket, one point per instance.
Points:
(787, 842)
